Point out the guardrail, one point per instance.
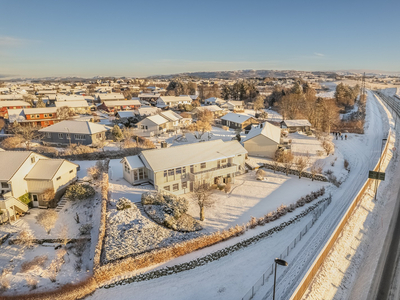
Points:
(309, 277)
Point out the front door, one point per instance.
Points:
(35, 200)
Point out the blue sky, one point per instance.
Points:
(127, 38)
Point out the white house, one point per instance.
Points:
(178, 169)
(173, 101)
(214, 101)
(153, 125)
(263, 140)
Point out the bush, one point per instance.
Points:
(260, 174)
(221, 186)
(123, 203)
(85, 229)
(26, 198)
(346, 165)
(79, 191)
(11, 142)
(37, 261)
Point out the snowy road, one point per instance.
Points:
(232, 276)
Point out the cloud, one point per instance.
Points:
(319, 54)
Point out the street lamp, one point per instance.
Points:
(281, 262)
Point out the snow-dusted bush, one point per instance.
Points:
(79, 191)
(123, 203)
(170, 204)
(47, 219)
(260, 174)
(25, 238)
(37, 261)
(85, 229)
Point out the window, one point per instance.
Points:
(184, 185)
(79, 136)
(50, 115)
(45, 115)
(32, 159)
(178, 171)
(48, 135)
(38, 116)
(171, 172)
(191, 169)
(126, 168)
(4, 185)
(223, 161)
(60, 136)
(135, 175)
(71, 171)
(141, 174)
(58, 178)
(203, 165)
(183, 170)
(175, 187)
(167, 188)
(165, 173)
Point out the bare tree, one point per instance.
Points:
(301, 163)
(26, 134)
(328, 147)
(47, 219)
(65, 113)
(316, 168)
(259, 103)
(287, 160)
(199, 128)
(48, 195)
(11, 142)
(202, 195)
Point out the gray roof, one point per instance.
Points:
(75, 127)
(122, 103)
(294, 123)
(190, 154)
(10, 162)
(80, 103)
(134, 162)
(266, 129)
(170, 115)
(236, 118)
(45, 169)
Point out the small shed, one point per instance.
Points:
(296, 125)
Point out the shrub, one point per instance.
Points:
(31, 282)
(79, 191)
(221, 186)
(4, 283)
(123, 203)
(37, 261)
(11, 142)
(79, 247)
(85, 229)
(260, 174)
(346, 165)
(253, 222)
(26, 198)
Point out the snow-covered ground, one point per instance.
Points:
(329, 93)
(230, 277)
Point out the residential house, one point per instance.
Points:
(214, 101)
(147, 111)
(216, 110)
(150, 97)
(68, 98)
(238, 121)
(35, 117)
(263, 140)
(11, 104)
(74, 132)
(80, 107)
(26, 174)
(174, 120)
(109, 97)
(296, 125)
(235, 106)
(153, 125)
(178, 169)
(172, 101)
(120, 105)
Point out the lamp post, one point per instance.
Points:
(379, 168)
(281, 262)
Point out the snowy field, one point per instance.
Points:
(232, 276)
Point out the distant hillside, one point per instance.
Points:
(243, 74)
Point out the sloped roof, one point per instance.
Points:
(45, 169)
(215, 100)
(266, 129)
(11, 97)
(11, 103)
(166, 99)
(126, 114)
(111, 96)
(69, 98)
(157, 119)
(147, 110)
(294, 123)
(122, 103)
(134, 162)
(212, 108)
(16, 115)
(40, 110)
(79, 127)
(72, 104)
(170, 115)
(190, 154)
(236, 118)
(148, 95)
(10, 162)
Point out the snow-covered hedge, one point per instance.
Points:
(78, 191)
(318, 177)
(123, 203)
(170, 211)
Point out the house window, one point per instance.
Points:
(32, 159)
(191, 169)
(71, 171)
(60, 136)
(167, 188)
(141, 174)
(79, 136)
(171, 172)
(203, 165)
(135, 175)
(37, 116)
(48, 134)
(184, 185)
(178, 171)
(223, 161)
(4, 185)
(50, 115)
(99, 135)
(45, 115)
(175, 187)
(165, 173)
(58, 178)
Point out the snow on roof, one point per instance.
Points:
(69, 98)
(122, 103)
(157, 119)
(134, 162)
(147, 110)
(111, 96)
(16, 115)
(215, 100)
(166, 99)
(170, 115)
(149, 95)
(236, 118)
(190, 154)
(266, 129)
(78, 127)
(11, 103)
(294, 123)
(236, 103)
(72, 104)
(10, 163)
(45, 169)
(11, 97)
(126, 114)
(212, 108)
(193, 97)
(40, 110)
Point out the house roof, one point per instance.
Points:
(170, 115)
(110, 96)
(166, 99)
(212, 108)
(266, 129)
(126, 114)
(147, 110)
(40, 110)
(11, 97)
(157, 119)
(72, 104)
(122, 103)
(69, 98)
(134, 162)
(16, 115)
(215, 100)
(236, 118)
(12, 103)
(190, 154)
(45, 169)
(148, 95)
(11, 161)
(294, 123)
(79, 127)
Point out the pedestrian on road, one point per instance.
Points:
(345, 137)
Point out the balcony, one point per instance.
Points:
(214, 172)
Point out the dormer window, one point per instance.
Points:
(33, 159)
